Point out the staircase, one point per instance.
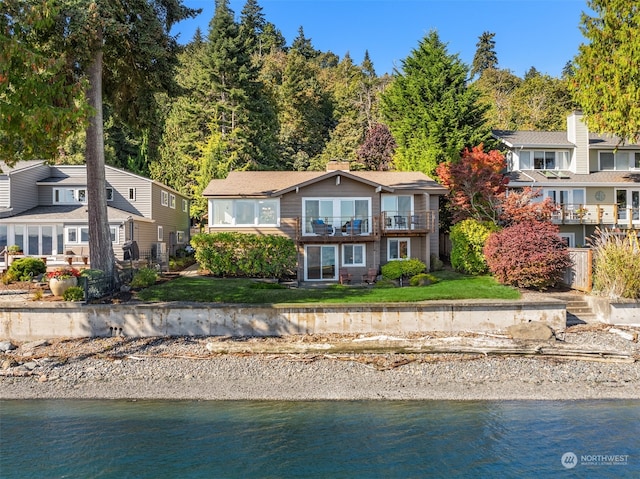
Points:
(579, 312)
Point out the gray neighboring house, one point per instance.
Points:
(593, 179)
(342, 222)
(43, 211)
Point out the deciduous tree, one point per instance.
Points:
(476, 183)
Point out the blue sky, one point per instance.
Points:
(540, 33)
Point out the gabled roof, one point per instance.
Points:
(275, 183)
(542, 139)
(554, 139)
(21, 165)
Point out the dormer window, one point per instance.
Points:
(543, 160)
(69, 196)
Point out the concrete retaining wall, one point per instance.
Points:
(615, 312)
(73, 320)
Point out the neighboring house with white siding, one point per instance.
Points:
(353, 221)
(43, 210)
(594, 180)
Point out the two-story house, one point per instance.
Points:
(43, 210)
(354, 221)
(594, 180)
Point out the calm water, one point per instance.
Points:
(361, 439)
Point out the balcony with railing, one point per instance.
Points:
(395, 223)
(365, 229)
(597, 214)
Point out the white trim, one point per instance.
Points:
(352, 245)
(391, 240)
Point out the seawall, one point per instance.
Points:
(42, 320)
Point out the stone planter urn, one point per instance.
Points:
(59, 286)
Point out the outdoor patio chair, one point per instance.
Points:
(371, 276)
(344, 276)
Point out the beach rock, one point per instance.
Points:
(31, 365)
(533, 330)
(7, 346)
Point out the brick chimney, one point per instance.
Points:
(334, 165)
(578, 134)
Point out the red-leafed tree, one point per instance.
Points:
(478, 189)
(527, 255)
(376, 151)
(522, 206)
(476, 184)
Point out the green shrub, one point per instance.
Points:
(245, 255)
(144, 278)
(26, 269)
(617, 264)
(423, 279)
(403, 268)
(74, 293)
(467, 241)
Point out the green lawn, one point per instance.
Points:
(214, 290)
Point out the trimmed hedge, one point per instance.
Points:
(467, 242)
(248, 255)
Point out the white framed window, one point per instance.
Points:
(185, 206)
(398, 248)
(109, 193)
(132, 194)
(160, 233)
(180, 237)
(543, 160)
(69, 196)
(616, 160)
(244, 212)
(635, 164)
(354, 255)
(164, 198)
(628, 200)
(172, 201)
(80, 234)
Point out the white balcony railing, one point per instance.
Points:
(606, 214)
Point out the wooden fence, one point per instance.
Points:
(580, 275)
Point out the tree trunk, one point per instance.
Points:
(100, 247)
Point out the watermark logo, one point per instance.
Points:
(569, 460)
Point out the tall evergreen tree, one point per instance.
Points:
(303, 46)
(132, 56)
(431, 111)
(607, 78)
(485, 56)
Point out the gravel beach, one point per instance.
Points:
(588, 362)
